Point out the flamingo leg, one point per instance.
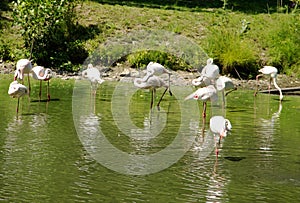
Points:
(161, 98)
(269, 88)
(29, 88)
(18, 105)
(256, 90)
(170, 85)
(229, 91)
(152, 97)
(48, 92)
(216, 148)
(223, 98)
(40, 93)
(204, 110)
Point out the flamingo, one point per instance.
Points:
(42, 74)
(157, 69)
(17, 90)
(204, 94)
(220, 127)
(152, 83)
(93, 75)
(23, 66)
(208, 74)
(224, 83)
(272, 72)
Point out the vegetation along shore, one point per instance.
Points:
(241, 36)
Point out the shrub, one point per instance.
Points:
(49, 25)
(142, 58)
(282, 40)
(231, 49)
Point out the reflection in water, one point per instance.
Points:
(217, 190)
(153, 125)
(267, 129)
(42, 159)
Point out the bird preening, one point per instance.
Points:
(152, 82)
(42, 74)
(94, 76)
(24, 66)
(17, 90)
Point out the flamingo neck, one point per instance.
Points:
(277, 87)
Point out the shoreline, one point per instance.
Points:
(181, 78)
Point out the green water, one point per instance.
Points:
(42, 158)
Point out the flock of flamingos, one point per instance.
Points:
(209, 83)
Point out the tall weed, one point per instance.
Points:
(282, 40)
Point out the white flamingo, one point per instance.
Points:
(224, 83)
(272, 72)
(42, 74)
(17, 90)
(204, 94)
(219, 126)
(157, 69)
(152, 83)
(94, 76)
(23, 66)
(208, 75)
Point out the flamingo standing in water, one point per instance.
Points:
(272, 72)
(23, 66)
(208, 74)
(94, 76)
(219, 127)
(204, 94)
(152, 83)
(42, 74)
(17, 90)
(157, 69)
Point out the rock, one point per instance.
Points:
(125, 73)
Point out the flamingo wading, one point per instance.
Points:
(208, 74)
(42, 74)
(272, 72)
(23, 66)
(152, 83)
(219, 126)
(17, 90)
(94, 76)
(204, 94)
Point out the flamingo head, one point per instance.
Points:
(228, 125)
(18, 75)
(227, 128)
(209, 61)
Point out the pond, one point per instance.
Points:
(52, 151)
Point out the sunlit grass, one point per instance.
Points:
(268, 39)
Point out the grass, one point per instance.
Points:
(237, 39)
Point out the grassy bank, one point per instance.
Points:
(240, 42)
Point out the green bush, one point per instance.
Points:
(49, 25)
(282, 40)
(230, 48)
(5, 51)
(142, 58)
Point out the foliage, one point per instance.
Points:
(232, 49)
(283, 43)
(141, 59)
(49, 25)
(5, 51)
